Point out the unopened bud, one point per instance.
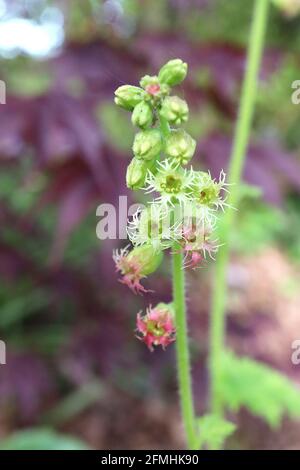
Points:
(128, 96)
(147, 144)
(180, 146)
(173, 72)
(136, 173)
(142, 115)
(174, 110)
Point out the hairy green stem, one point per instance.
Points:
(182, 351)
(182, 344)
(240, 144)
(164, 127)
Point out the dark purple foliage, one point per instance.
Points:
(83, 169)
(26, 381)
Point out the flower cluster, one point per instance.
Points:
(183, 213)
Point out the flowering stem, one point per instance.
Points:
(182, 346)
(164, 127)
(182, 350)
(236, 164)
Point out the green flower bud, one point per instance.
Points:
(173, 72)
(174, 110)
(180, 146)
(142, 115)
(147, 144)
(136, 173)
(149, 80)
(146, 257)
(128, 96)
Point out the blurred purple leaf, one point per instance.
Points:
(25, 383)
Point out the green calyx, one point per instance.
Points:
(147, 144)
(137, 172)
(127, 96)
(142, 115)
(180, 146)
(173, 72)
(168, 308)
(174, 110)
(146, 258)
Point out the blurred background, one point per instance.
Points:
(75, 375)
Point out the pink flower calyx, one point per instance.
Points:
(136, 264)
(196, 243)
(157, 327)
(130, 270)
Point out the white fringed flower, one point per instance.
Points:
(208, 192)
(172, 182)
(208, 196)
(198, 242)
(153, 225)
